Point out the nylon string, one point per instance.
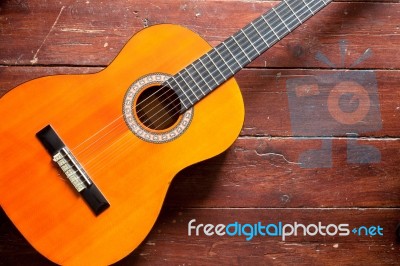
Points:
(99, 164)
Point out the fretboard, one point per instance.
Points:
(212, 69)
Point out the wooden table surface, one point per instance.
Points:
(274, 171)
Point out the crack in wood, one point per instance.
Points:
(81, 30)
(35, 58)
(275, 155)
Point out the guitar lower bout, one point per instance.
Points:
(129, 148)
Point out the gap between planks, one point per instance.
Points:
(380, 138)
(291, 208)
(246, 68)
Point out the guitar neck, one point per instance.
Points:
(212, 69)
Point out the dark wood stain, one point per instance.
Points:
(260, 178)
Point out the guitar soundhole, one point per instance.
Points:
(153, 112)
(158, 107)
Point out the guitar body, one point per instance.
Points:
(133, 174)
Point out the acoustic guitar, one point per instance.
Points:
(86, 160)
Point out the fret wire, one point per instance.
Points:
(271, 27)
(252, 43)
(247, 48)
(212, 61)
(240, 47)
(291, 15)
(201, 61)
(188, 80)
(182, 101)
(271, 24)
(190, 87)
(285, 17)
(195, 82)
(293, 8)
(262, 37)
(181, 84)
(308, 7)
(269, 36)
(287, 3)
(281, 19)
(254, 37)
(216, 49)
(180, 87)
(231, 60)
(213, 64)
(251, 53)
(233, 55)
(198, 75)
(303, 13)
(238, 51)
(225, 62)
(288, 18)
(247, 37)
(302, 9)
(318, 6)
(201, 76)
(275, 23)
(259, 44)
(289, 12)
(276, 19)
(245, 58)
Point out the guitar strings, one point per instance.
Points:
(140, 118)
(172, 102)
(89, 162)
(165, 99)
(273, 22)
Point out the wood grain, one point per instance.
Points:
(259, 177)
(81, 33)
(92, 102)
(265, 172)
(163, 246)
(169, 243)
(265, 94)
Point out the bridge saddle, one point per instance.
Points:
(73, 170)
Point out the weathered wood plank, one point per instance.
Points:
(268, 173)
(169, 243)
(267, 94)
(92, 33)
(259, 178)
(321, 103)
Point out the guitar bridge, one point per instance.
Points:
(73, 170)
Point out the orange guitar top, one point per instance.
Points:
(87, 159)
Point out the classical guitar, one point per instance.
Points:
(86, 160)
